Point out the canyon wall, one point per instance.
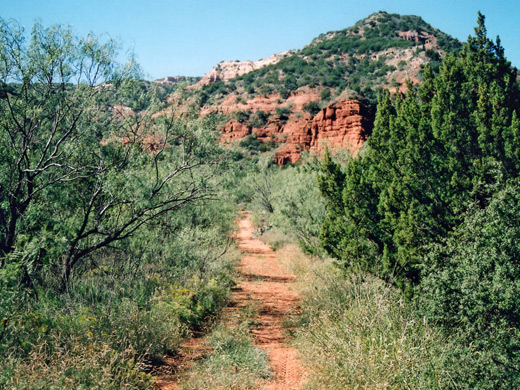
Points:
(345, 124)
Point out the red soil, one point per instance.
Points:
(263, 281)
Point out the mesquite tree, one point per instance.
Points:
(79, 172)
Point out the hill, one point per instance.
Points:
(322, 94)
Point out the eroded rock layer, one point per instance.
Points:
(345, 124)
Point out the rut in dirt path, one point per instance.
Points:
(263, 280)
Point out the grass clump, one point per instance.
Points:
(357, 332)
(235, 362)
(80, 365)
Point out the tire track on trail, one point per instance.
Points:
(264, 280)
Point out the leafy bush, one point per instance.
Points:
(312, 108)
(259, 119)
(298, 205)
(472, 289)
(283, 113)
(289, 199)
(250, 142)
(433, 55)
(417, 176)
(431, 207)
(242, 116)
(115, 255)
(325, 94)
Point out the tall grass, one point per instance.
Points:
(235, 362)
(126, 308)
(357, 332)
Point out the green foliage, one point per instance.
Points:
(283, 113)
(289, 200)
(242, 116)
(254, 145)
(312, 108)
(472, 289)
(134, 303)
(429, 154)
(433, 55)
(131, 305)
(259, 119)
(298, 205)
(325, 94)
(431, 204)
(64, 173)
(110, 251)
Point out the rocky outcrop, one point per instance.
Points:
(266, 103)
(342, 125)
(429, 40)
(227, 70)
(235, 130)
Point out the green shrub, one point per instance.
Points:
(432, 54)
(283, 113)
(417, 176)
(242, 116)
(298, 206)
(259, 119)
(312, 108)
(250, 142)
(284, 93)
(472, 290)
(325, 94)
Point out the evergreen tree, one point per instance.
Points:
(433, 152)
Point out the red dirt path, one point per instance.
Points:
(262, 281)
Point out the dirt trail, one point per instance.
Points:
(262, 281)
(172, 369)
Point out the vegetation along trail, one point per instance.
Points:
(264, 280)
(266, 285)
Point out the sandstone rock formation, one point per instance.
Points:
(227, 70)
(343, 125)
(429, 40)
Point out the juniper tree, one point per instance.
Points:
(433, 152)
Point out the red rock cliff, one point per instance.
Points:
(342, 125)
(345, 125)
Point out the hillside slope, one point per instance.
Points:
(323, 94)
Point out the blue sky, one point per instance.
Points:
(189, 37)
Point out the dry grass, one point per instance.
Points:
(77, 366)
(235, 363)
(275, 238)
(357, 333)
